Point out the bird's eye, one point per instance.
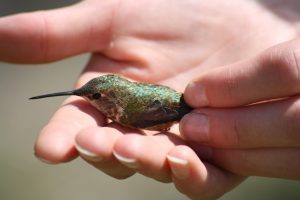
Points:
(96, 96)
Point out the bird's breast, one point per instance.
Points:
(110, 108)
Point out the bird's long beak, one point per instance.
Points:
(66, 93)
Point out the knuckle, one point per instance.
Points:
(239, 133)
(225, 88)
(237, 129)
(244, 162)
(228, 131)
(40, 35)
(283, 61)
(44, 36)
(32, 29)
(292, 125)
(231, 85)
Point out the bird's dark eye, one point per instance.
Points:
(96, 96)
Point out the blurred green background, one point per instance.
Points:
(22, 176)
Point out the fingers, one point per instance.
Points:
(55, 144)
(45, 36)
(197, 179)
(96, 146)
(273, 124)
(146, 154)
(120, 156)
(273, 74)
(271, 162)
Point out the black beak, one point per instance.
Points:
(56, 94)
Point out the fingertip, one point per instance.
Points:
(195, 94)
(55, 148)
(188, 172)
(145, 154)
(179, 167)
(96, 143)
(127, 148)
(182, 159)
(198, 179)
(149, 150)
(195, 127)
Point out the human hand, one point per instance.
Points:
(251, 123)
(137, 39)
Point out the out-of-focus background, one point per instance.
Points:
(22, 176)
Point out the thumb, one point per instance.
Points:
(45, 36)
(270, 75)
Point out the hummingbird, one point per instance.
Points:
(132, 104)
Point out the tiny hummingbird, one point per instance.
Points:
(132, 104)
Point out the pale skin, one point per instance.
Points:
(232, 54)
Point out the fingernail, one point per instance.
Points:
(179, 167)
(195, 127)
(197, 94)
(129, 162)
(88, 155)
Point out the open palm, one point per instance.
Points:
(167, 42)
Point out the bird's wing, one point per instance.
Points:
(156, 114)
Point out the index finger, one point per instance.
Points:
(272, 74)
